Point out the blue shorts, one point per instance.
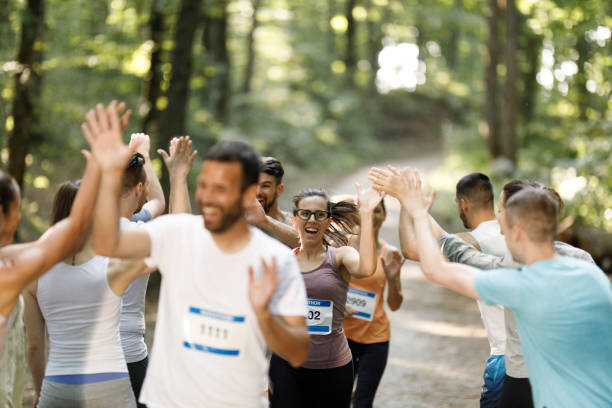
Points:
(493, 377)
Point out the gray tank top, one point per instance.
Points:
(326, 283)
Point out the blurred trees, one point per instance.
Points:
(321, 84)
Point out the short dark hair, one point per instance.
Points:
(134, 172)
(273, 167)
(243, 153)
(62, 203)
(536, 210)
(514, 186)
(477, 189)
(8, 191)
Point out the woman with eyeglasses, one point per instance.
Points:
(327, 264)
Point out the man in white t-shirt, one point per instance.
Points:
(474, 197)
(227, 290)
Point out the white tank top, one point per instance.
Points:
(132, 320)
(492, 242)
(82, 317)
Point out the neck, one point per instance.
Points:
(126, 209)
(276, 213)
(312, 250)
(538, 252)
(482, 216)
(233, 239)
(81, 257)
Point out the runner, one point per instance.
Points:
(562, 305)
(264, 213)
(22, 263)
(474, 197)
(223, 298)
(367, 326)
(327, 265)
(141, 199)
(77, 303)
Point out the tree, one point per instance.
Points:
(214, 38)
(248, 73)
(508, 122)
(350, 58)
(491, 112)
(27, 87)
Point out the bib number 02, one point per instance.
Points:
(320, 316)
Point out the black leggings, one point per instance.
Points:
(516, 393)
(307, 388)
(138, 371)
(369, 361)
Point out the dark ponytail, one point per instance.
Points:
(344, 215)
(8, 191)
(62, 203)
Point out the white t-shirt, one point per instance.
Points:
(208, 347)
(132, 321)
(492, 242)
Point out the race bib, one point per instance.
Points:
(320, 316)
(214, 332)
(363, 302)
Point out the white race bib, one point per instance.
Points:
(363, 302)
(320, 316)
(214, 332)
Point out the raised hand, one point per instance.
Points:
(255, 213)
(103, 133)
(262, 289)
(180, 159)
(394, 266)
(123, 121)
(368, 199)
(141, 143)
(388, 181)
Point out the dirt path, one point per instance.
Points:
(438, 346)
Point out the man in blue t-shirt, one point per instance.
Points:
(562, 305)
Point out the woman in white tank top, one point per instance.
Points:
(79, 301)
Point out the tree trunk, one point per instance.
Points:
(248, 73)
(374, 45)
(491, 112)
(453, 39)
(508, 124)
(533, 47)
(350, 59)
(331, 35)
(582, 46)
(173, 117)
(27, 87)
(152, 82)
(214, 38)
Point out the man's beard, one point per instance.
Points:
(267, 206)
(232, 214)
(464, 219)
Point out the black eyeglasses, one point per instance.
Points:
(319, 215)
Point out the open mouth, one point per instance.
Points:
(311, 230)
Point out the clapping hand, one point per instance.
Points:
(180, 159)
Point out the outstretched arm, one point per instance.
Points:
(112, 155)
(255, 215)
(407, 188)
(286, 336)
(156, 202)
(363, 263)
(179, 162)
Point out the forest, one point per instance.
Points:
(512, 88)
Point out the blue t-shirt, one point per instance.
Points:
(142, 216)
(563, 310)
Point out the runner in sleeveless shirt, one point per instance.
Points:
(223, 298)
(141, 200)
(367, 326)
(78, 303)
(22, 263)
(562, 305)
(264, 212)
(326, 378)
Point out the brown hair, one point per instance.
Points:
(535, 209)
(62, 203)
(514, 186)
(8, 191)
(344, 215)
(134, 172)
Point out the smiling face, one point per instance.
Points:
(219, 194)
(268, 191)
(311, 231)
